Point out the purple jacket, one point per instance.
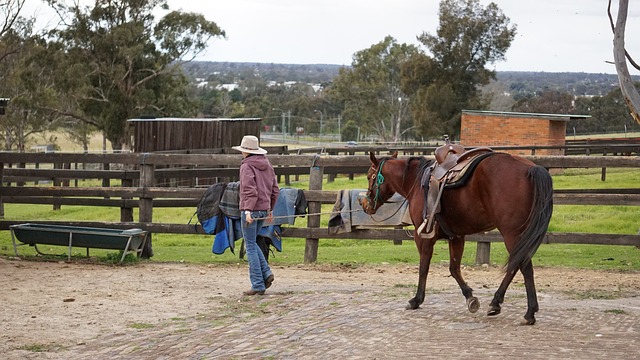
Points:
(258, 184)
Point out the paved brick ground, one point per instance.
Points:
(338, 323)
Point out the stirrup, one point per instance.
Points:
(427, 235)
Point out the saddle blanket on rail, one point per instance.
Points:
(345, 216)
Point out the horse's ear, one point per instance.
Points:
(374, 161)
(395, 154)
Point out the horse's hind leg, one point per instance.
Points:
(532, 297)
(456, 249)
(498, 297)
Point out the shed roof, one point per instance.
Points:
(559, 117)
(192, 119)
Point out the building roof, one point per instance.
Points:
(192, 119)
(560, 117)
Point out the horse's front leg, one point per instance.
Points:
(425, 249)
(456, 249)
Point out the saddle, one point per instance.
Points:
(452, 163)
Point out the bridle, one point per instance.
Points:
(379, 181)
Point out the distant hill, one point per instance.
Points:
(227, 72)
(514, 82)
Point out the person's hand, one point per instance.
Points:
(269, 217)
(248, 217)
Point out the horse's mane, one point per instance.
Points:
(423, 164)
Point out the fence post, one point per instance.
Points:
(1, 184)
(316, 174)
(126, 213)
(483, 252)
(56, 182)
(147, 180)
(331, 177)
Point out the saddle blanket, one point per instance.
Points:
(345, 217)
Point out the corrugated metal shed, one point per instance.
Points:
(163, 134)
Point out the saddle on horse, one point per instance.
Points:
(452, 163)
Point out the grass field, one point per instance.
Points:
(197, 248)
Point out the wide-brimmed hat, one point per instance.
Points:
(251, 145)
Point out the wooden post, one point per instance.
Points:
(66, 166)
(21, 166)
(147, 180)
(331, 177)
(396, 241)
(313, 221)
(126, 213)
(603, 175)
(56, 182)
(483, 253)
(351, 176)
(106, 182)
(1, 184)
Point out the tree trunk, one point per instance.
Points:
(629, 92)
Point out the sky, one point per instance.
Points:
(552, 35)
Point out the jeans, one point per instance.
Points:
(259, 269)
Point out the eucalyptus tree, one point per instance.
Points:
(547, 101)
(11, 24)
(17, 44)
(118, 61)
(469, 37)
(370, 90)
(609, 113)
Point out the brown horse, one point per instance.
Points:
(506, 192)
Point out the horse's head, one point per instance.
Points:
(378, 191)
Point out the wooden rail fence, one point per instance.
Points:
(140, 173)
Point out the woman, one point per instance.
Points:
(258, 194)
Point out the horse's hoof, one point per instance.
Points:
(493, 312)
(473, 304)
(528, 321)
(412, 305)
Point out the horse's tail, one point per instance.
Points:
(538, 220)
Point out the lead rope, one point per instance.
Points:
(303, 215)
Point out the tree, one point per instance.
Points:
(119, 62)
(17, 46)
(350, 131)
(12, 24)
(629, 91)
(608, 114)
(469, 36)
(547, 102)
(26, 83)
(370, 90)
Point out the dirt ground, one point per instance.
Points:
(48, 306)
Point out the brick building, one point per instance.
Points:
(503, 128)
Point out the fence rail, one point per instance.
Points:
(139, 175)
